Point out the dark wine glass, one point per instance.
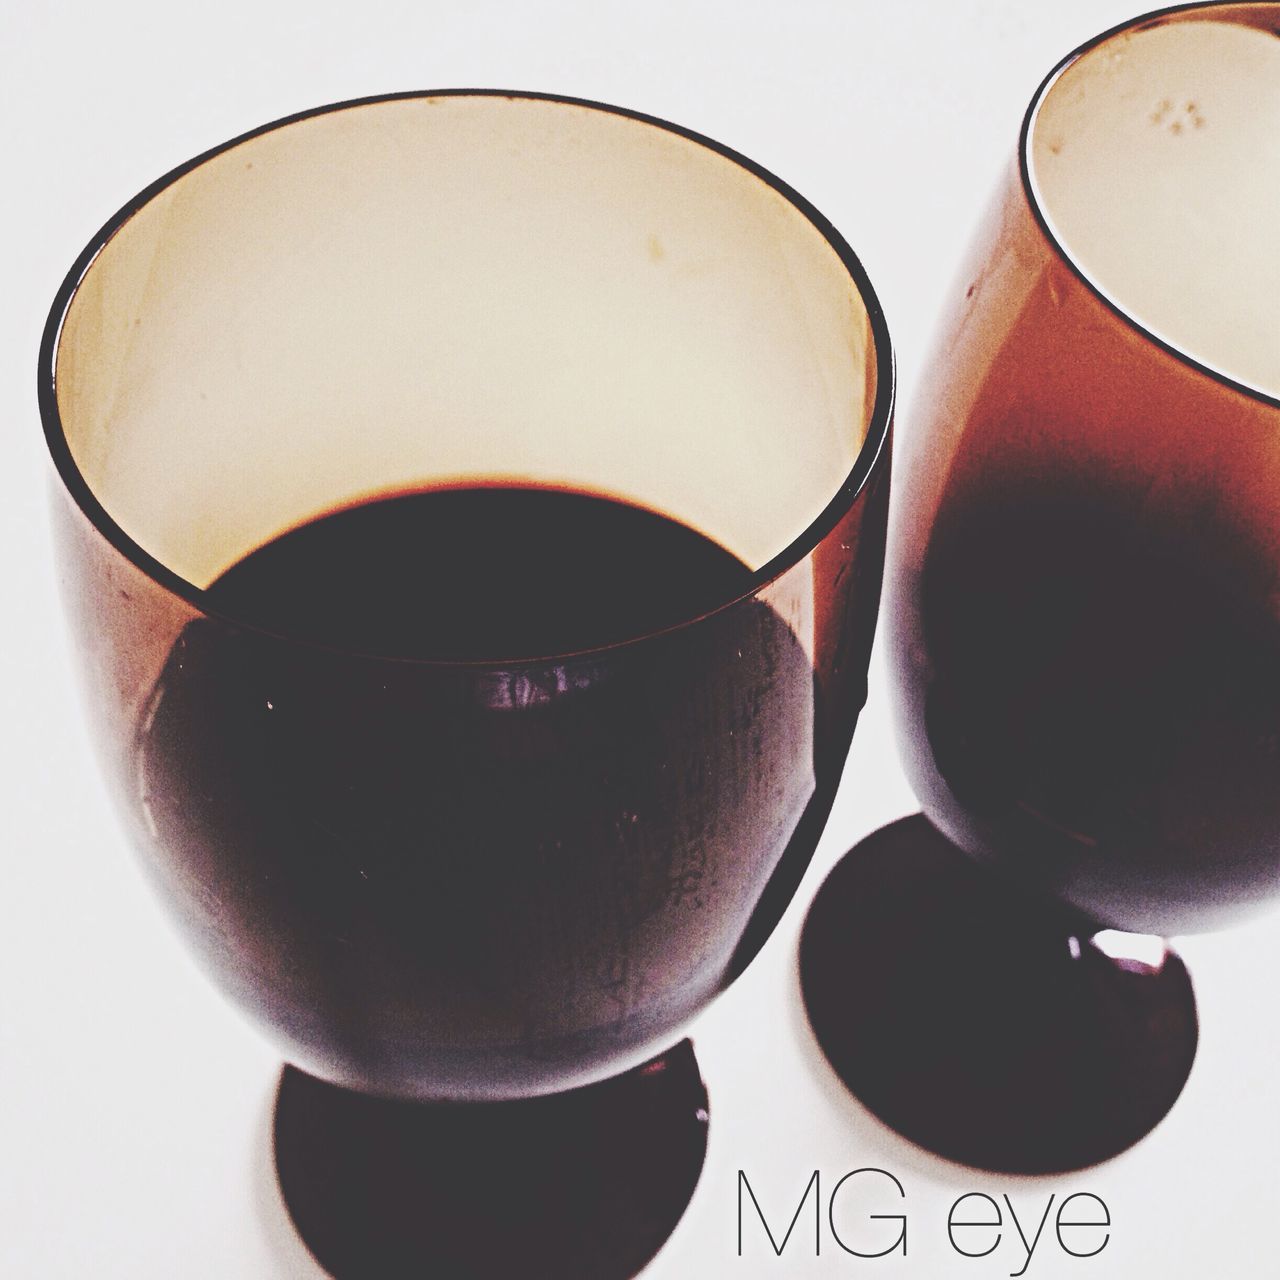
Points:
(1085, 624)
(471, 512)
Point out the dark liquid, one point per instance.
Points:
(1098, 695)
(481, 575)
(479, 881)
(1093, 696)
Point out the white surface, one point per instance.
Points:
(133, 1103)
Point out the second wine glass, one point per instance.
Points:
(1085, 622)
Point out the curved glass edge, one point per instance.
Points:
(874, 446)
(1215, 10)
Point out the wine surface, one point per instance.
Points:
(462, 879)
(481, 574)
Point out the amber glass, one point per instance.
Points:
(489, 874)
(1083, 608)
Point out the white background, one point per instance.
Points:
(134, 1106)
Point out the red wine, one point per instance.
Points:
(1098, 692)
(481, 574)
(452, 879)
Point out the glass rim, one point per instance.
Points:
(869, 453)
(1156, 17)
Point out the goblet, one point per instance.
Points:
(471, 512)
(1085, 626)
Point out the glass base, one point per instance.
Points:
(587, 1183)
(986, 1026)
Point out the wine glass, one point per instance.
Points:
(470, 509)
(1085, 625)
